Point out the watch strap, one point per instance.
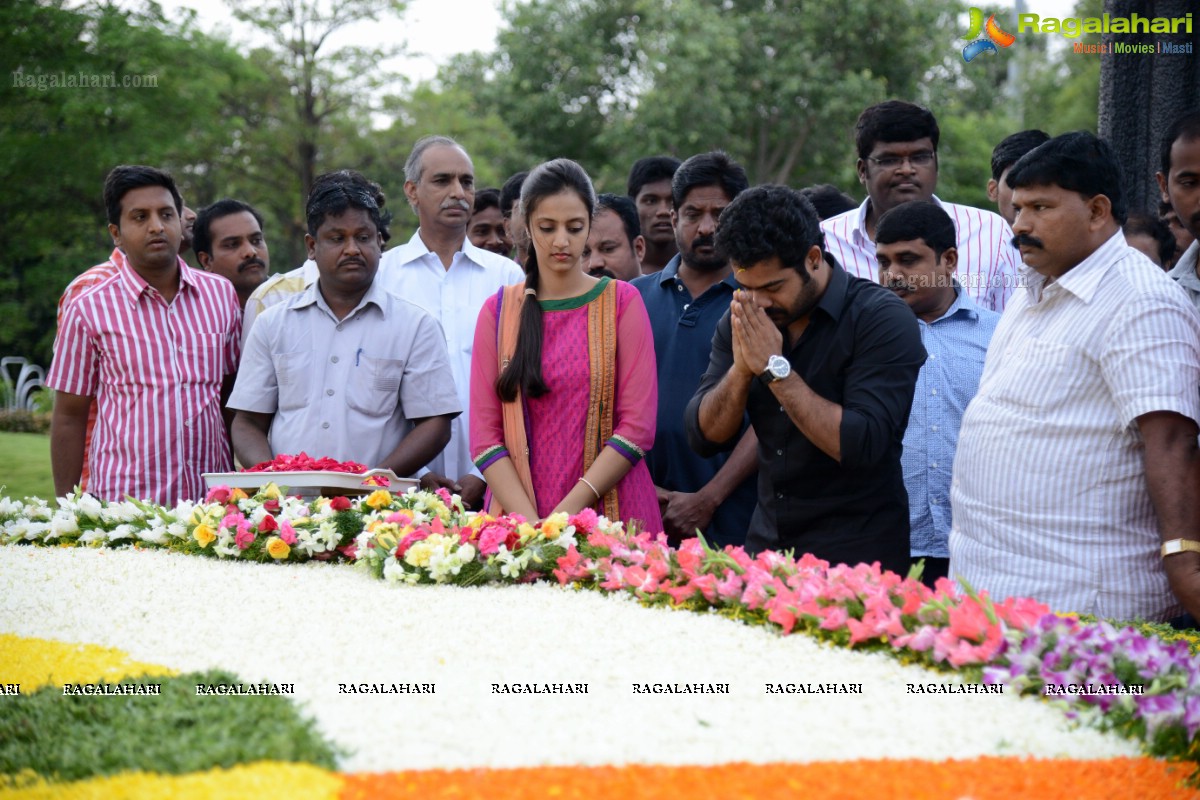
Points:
(1173, 546)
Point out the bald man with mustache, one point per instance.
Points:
(442, 272)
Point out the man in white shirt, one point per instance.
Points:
(450, 278)
(1077, 465)
(897, 162)
(343, 369)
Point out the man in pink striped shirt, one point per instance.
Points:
(897, 162)
(152, 343)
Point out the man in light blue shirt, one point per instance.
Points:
(915, 245)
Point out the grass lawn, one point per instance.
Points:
(25, 465)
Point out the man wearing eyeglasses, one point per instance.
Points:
(897, 162)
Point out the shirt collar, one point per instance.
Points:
(860, 221)
(1082, 280)
(135, 285)
(962, 303)
(416, 248)
(376, 295)
(669, 274)
(834, 299)
(1184, 270)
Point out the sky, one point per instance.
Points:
(434, 30)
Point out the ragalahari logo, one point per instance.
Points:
(994, 37)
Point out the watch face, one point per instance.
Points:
(779, 367)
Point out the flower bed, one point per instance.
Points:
(421, 538)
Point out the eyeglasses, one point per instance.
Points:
(921, 159)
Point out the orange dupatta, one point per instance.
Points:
(602, 355)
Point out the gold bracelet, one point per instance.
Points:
(1173, 546)
(588, 484)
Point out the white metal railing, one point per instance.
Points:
(19, 393)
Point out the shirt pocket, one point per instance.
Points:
(293, 372)
(1041, 377)
(204, 355)
(374, 387)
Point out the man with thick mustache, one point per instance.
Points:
(440, 270)
(344, 369)
(897, 162)
(228, 241)
(1077, 466)
(686, 300)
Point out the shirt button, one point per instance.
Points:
(686, 306)
(778, 452)
(932, 356)
(781, 408)
(329, 392)
(779, 495)
(934, 465)
(324, 424)
(933, 391)
(934, 501)
(679, 287)
(933, 427)
(333, 359)
(339, 327)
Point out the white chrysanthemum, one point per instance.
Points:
(63, 523)
(90, 506)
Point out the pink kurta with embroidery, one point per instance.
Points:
(556, 422)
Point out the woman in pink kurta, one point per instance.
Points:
(564, 405)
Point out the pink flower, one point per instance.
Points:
(272, 506)
(833, 617)
(444, 495)
(400, 518)
(218, 494)
(340, 503)
(268, 525)
(287, 533)
(783, 617)
(968, 620)
(585, 521)
(491, 537)
(410, 540)
(244, 538)
(730, 587)
(569, 566)
(350, 551)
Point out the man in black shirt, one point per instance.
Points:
(826, 364)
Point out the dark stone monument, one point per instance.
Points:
(1140, 94)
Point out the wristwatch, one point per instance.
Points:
(1173, 546)
(777, 369)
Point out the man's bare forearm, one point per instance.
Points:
(722, 409)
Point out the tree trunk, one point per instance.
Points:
(1140, 95)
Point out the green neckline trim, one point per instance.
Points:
(571, 303)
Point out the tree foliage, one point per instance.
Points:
(776, 83)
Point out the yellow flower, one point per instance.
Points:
(380, 498)
(270, 492)
(419, 554)
(553, 525)
(277, 548)
(236, 495)
(204, 535)
(477, 520)
(526, 531)
(387, 535)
